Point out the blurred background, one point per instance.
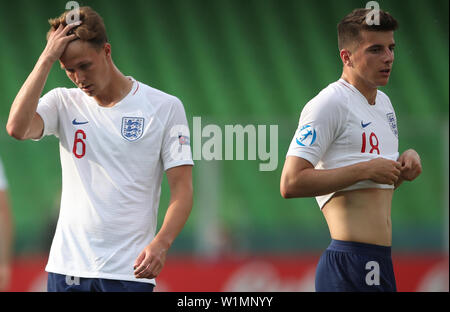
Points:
(247, 62)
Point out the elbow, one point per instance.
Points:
(285, 194)
(286, 190)
(292, 189)
(13, 132)
(294, 182)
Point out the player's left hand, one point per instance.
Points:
(411, 165)
(151, 260)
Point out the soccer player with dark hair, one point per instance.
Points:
(117, 137)
(345, 153)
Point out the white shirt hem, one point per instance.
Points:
(122, 277)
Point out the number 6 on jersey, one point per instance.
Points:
(76, 143)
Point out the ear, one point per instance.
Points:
(107, 49)
(346, 57)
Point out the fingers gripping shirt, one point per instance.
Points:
(112, 163)
(338, 128)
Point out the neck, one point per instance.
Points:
(117, 88)
(369, 92)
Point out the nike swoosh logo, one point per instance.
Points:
(76, 123)
(365, 125)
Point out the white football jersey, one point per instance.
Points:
(112, 162)
(3, 181)
(339, 128)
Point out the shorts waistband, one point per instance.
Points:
(361, 248)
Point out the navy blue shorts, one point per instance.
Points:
(64, 283)
(351, 266)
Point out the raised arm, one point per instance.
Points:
(300, 179)
(23, 122)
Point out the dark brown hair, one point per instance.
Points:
(92, 28)
(350, 27)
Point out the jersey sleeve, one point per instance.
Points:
(48, 110)
(321, 122)
(176, 148)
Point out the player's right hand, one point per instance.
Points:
(57, 42)
(384, 171)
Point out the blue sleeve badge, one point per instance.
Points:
(306, 136)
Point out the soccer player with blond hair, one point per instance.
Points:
(117, 137)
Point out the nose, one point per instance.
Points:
(79, 78)
(389, 56)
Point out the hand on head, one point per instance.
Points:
(58, 41)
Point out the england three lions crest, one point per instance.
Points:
(393, 123)
(132, 128)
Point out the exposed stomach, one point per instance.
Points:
(362, 215)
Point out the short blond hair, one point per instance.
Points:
(92, 28)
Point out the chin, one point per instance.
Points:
(382, 82)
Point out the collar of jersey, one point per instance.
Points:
(119, 104)
(353, 88)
